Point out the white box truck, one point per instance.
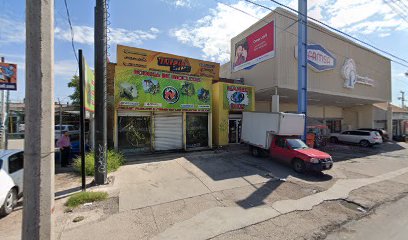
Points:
(277, 134)
(258, 127)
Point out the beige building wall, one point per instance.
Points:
(358, 117)
(281, 70)
(333, 112)
(262, 106)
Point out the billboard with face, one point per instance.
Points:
(255, 48)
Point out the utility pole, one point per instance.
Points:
(38, 202)
(6, 122)
(3, 118)
(60, 129)
(402, 98)
(82, 114)
(100, 91)
(302, 60)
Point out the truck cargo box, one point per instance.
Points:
(258, 126)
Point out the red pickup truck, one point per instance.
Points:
(295, 152)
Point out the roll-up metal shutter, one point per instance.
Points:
(168, 131)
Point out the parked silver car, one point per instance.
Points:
(364, 138)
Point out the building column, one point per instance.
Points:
(389, 121)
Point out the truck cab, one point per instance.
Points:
(293, 151)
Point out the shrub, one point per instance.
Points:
(85, 197)
(115, 160)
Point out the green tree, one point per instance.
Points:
(74, 83)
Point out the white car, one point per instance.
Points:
(11, 179)
(364, 138)
(59, 129)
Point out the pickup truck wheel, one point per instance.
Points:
(298, 165)
(364, 143)
(255, 152)
(334, 140)
(9, 203)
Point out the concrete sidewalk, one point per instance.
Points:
(206, 195)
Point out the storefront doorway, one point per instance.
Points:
(134, 134)
(234, 128)
(196, 130)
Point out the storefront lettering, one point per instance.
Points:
(318, 58)
(140, 59)
(176, 65)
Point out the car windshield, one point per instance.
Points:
(297, 144)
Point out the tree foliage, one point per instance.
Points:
(74, 83)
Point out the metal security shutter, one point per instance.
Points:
(168, 131)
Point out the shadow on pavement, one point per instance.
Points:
(243, 165)
(343, 152)
(236, 163)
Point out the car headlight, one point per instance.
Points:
(314, 160)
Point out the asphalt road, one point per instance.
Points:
(388, 222)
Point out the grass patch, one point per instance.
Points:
(115, 160)
(85, 197)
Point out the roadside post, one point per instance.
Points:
(302, 61)
(82, 118)
(39, 169)
(100, 92)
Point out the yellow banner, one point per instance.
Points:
(157, 61)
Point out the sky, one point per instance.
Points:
(193, 28)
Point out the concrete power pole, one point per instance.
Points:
(100, 91)
(302, 60)
(402, 98)
(38, 205)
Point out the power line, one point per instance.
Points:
(333, 29)
(72, 30)
(294, 19)
(397, 9)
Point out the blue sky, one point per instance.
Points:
(194, 28)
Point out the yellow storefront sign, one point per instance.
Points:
(229, 98)
(158, 61)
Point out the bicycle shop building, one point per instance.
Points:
(159, 101)
(345, 79)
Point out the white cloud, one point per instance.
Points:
(357, 17)
(213, 32)
(65, 69)
(85, 35)
(11, 31)
(179, 3)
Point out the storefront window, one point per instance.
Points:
(134, 134)
(197, 130)
(334, 125)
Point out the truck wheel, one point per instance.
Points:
(364, 143)
(334, 140)
(298, 165)
(9, 203)
(255, 152)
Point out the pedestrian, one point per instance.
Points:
(64, 144)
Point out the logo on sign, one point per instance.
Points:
(318, 58)
(175, 64)
(349, 73)
(171, 95)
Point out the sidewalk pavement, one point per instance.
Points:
(206, 195)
